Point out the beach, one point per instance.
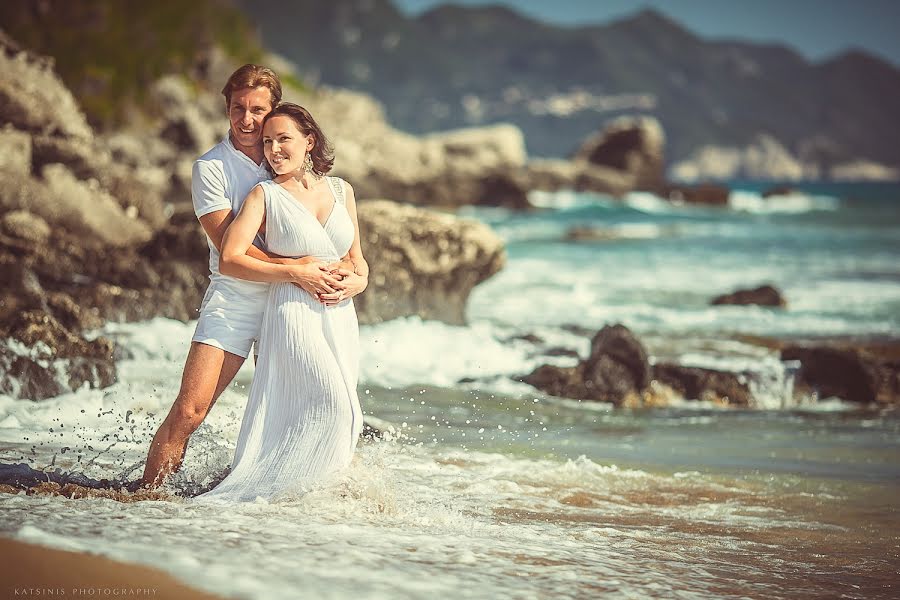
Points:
(32, 571)
(484, 486)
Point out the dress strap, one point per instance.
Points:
(337, 188)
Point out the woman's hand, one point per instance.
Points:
(316, 278)
(352, 284)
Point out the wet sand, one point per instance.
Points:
(28, 570)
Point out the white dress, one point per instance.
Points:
(303, 418)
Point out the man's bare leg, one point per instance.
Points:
(207, 372)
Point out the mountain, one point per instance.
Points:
(456, 66)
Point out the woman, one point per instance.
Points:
(303, 418)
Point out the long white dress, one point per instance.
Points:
(303, 417)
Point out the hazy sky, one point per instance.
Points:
(817, 28)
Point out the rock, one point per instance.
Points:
(26, 226)
(489, 148)
(616, 371)
(764, 158)
(851, 373)
(33, 97)
(633, 145)
(449, 169)
(780, 190)
(187, 125)
(553, 174)
(40, 358)
(15, 150)
(765, 295)
(864, 170)
(712, 194)
(81, 157)
(81, 207)
(695, 383)
(617, 343)
(422, 262)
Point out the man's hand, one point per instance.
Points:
(351, 285)
(316, 278)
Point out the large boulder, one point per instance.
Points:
(422, 262)
(634, 145)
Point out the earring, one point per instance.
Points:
(308, 164)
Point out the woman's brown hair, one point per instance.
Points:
(321, 154)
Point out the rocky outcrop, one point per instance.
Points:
(96, 228)
(33, 98)
(422, 263)
(632, 145)
(765, 295)
(626, 154)
(864, 170)
(720, 387)
(857, 373)
(765, 158)
(707, 193)
(581, 176)
(616, 371)
(450, 169)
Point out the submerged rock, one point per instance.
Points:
(765, 295)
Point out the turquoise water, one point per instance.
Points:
(485, 488)
(835, 258)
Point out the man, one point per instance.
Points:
(232, 309)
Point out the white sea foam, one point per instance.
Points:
(651, 204)
(753, 202)
(408, 351)
(565, 199)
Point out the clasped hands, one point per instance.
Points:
(330, 284)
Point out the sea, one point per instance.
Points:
(483, 487)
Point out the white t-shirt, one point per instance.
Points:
(221, 179)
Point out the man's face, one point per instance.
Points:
(246, 112)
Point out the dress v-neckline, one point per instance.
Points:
(322, 224)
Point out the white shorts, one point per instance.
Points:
(230, 319)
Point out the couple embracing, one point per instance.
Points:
(285, 261)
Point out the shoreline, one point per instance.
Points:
(38, 571)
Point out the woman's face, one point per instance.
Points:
(285, 145)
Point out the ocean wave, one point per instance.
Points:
(752, 202)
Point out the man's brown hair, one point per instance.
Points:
(253, 76)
